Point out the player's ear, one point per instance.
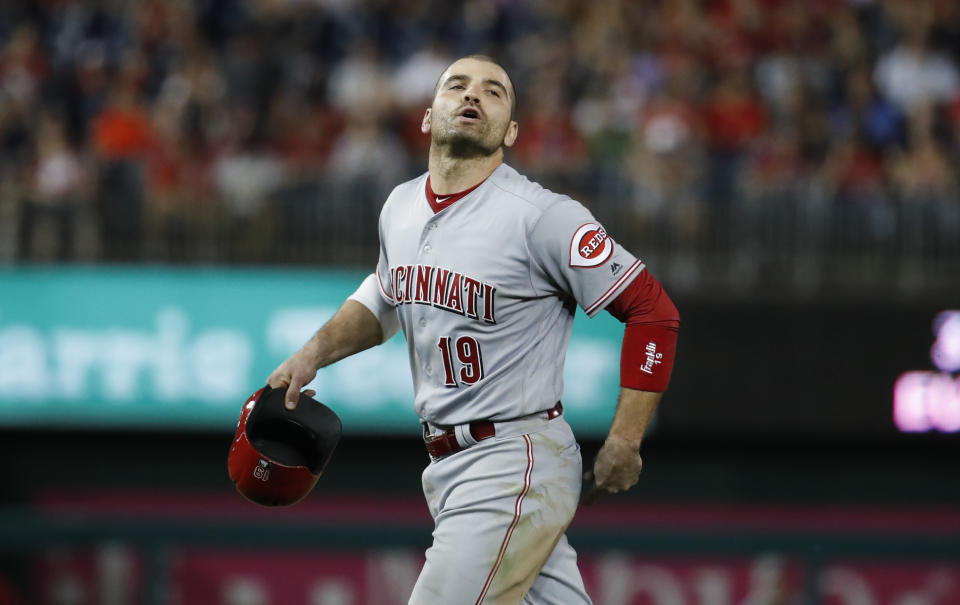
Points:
(425, 124)
(511, 136)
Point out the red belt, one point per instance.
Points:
(441, 445)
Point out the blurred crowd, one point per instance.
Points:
(221, 130)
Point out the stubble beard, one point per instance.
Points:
(465, 144)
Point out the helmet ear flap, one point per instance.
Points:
(278, 454)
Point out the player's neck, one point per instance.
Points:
(453, 175)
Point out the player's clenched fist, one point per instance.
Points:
(295, 373)
(617, 466)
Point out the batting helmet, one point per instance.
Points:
(278, 454)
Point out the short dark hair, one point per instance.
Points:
(487, 59)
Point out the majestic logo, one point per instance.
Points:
(653, 358)
(262, 470)
(448, 290)
(615, 268)
(590, 246)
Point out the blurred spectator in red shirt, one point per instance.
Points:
(550, 145)
(303, 134)
(122, 131)
(733, 114)
(123, 137)
(734, 117)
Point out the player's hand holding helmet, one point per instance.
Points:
(295, 373)
(278, 454)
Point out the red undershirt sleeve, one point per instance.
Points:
(650, 336)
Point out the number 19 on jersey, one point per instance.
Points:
(467, 352)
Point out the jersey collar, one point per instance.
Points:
(438, 203)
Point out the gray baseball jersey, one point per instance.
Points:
(486, 290)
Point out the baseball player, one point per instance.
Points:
(483, 269)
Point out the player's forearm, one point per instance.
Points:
(352, 329)
(634, 411)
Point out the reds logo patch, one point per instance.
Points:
(262, 470)
(590, 246)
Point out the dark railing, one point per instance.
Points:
(795, 241)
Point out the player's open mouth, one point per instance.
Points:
(469, 115)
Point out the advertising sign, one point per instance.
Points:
(386, 577)
(182, 348)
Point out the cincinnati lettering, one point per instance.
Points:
(444, 289)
